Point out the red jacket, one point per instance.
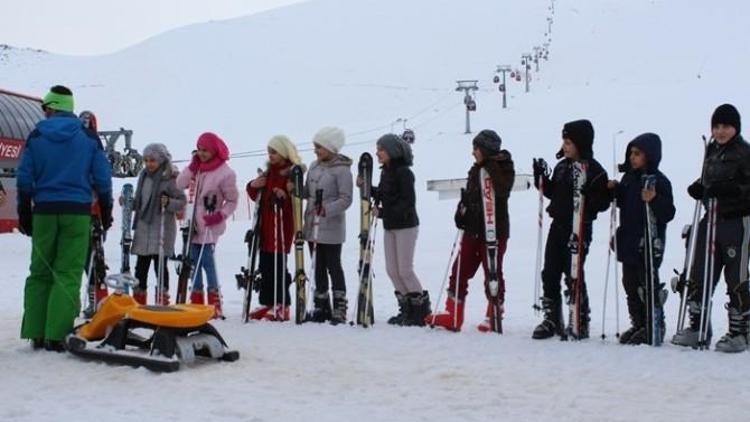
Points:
(276, 177)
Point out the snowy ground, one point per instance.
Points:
(636, 66)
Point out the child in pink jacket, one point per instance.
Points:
(215, 200)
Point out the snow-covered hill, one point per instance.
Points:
(636, 66)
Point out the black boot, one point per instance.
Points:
(338, 315)
(403, 310)
(637, 323)
(54, 346)
(552, 324)
(37, 343)
(418, 309)
(322, 311)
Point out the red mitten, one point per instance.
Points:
(213, 219)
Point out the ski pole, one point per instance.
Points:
(456, 244)
(317, 208)
(275, 258)
(160, 271)
(612, 236)
(691, 247)
(708, 276)
(283, 263)
(538, 266)
(371, 272)
(457, 287)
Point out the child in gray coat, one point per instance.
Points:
(156, 193)
(325, 225)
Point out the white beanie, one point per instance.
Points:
(330, 138)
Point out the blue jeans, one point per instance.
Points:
(206, 264)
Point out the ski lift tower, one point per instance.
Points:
(526, 63)
(502, 87)
(468, 87)
(537, 55)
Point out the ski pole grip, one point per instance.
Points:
(318, 200)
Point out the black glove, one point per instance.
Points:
(460, 217)
(541, 170)
(696, 191)
(24, 213)
(106, 209)
(723, 190)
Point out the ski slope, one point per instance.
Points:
(636, 66)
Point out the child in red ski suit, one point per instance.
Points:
(470, 218)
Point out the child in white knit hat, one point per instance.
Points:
(330, 180)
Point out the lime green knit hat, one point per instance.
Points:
(59, 98)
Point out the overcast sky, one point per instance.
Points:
(91, 27)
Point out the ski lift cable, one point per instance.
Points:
(262, 152)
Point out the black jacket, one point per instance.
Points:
(395, 196)
(730, 163)
(559, 190)
(632, 207)
(500, 168)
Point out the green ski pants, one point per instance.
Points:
(52, 298)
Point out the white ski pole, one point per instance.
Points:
(456, 244)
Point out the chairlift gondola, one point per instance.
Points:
(408, 136)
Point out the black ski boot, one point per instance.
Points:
(553, 322)
(418, 308)
(403, 310)
(322, 311)
(54, 346)
(628, 334)
(736, 340)
(637, 323)
(338, 315)
(37, 343)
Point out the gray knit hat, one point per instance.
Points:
(396, 148)
(158, 152)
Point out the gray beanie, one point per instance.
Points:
(396, 148)
(158, 152)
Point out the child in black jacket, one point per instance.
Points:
(578, 140)
(642, 158)
(396, 199)
(726, 182)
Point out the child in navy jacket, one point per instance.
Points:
(642, 158)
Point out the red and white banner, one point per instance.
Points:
(11, 149)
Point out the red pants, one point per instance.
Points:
(474, 252)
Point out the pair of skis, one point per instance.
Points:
(577, 253)
(184, 263)
(493, 282)
(97, 268)
(248, 274)
(367, 230)
(652, 295)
